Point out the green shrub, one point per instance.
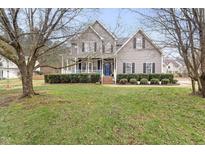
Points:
(46, 78)
(132, 76)
(138, 77)
(167, 76)
(94, 78)
(123, 81)
(143, 76)
(154, 81)
(54, 79)
(154, 76)
(144, 81)
(72, 78)
(165, 81)
(174, 81)
(83, 78)
(133, 81)
(121, 76)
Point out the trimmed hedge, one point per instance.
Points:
(154, 81)
(165, 81)
(138, 77)
(133, 81)
(144, 81)
(72, 78)
(123, 81)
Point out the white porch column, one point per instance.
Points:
(75, 65)
(102, 71)
(115, 73)
(87, 66)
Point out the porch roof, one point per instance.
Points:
(93, 55)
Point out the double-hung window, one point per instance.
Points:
(139, 43)
(128, 68)
(149, 68)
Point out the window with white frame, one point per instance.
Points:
(139, 43)
(128, 68)
(86, 46)
(83, 67)
(89, 46)
(148, 68)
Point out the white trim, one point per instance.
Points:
(151, 67)
(115, 70)
(102, 25)
(97, 33)
(89, 71)
(85, 29)
(142, 33)
(126, 64)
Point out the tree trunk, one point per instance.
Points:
(193, 86)
(27, 81)
(199, 85)
(27, 86)
(202, 78)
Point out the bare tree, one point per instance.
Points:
(39, 27)
(183, 29)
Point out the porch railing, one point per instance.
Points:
(82, 71)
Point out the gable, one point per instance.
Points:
(102, 30)
(139, 34)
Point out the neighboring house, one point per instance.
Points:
(173, 66)
(98, 50)
(8, 69)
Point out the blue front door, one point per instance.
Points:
(107, 69)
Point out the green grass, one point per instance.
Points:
(95, 114)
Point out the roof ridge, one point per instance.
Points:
(139, 31)
(104, 27)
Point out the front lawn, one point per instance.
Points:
(95, 114)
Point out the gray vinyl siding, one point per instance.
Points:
(138, 56)
(108, 39)
(89, 35)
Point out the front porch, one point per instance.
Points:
(104, 66)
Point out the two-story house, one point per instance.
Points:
(98, 50)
